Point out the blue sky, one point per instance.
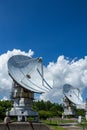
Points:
(49, 27)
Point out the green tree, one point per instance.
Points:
(4, 106)
(44, 114)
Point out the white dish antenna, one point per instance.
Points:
(73, 94)
(28, 72)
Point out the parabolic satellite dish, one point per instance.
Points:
(72, 94)
(28, 78)
(28, 72)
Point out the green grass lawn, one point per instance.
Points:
(57, 127)
(56, 123)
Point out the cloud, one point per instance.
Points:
(64, 70)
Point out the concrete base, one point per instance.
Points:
(24, 126)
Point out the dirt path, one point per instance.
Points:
(73, 126)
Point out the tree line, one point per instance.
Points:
(47, 109)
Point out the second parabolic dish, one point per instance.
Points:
(72, 94)
(28, 72)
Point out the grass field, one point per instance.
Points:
(56, 123)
